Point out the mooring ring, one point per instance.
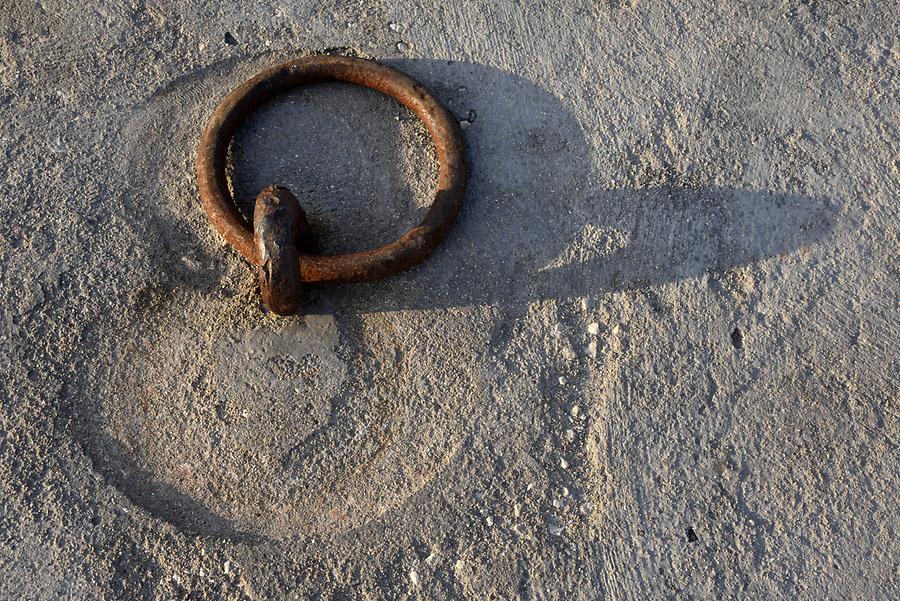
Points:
(408, 250)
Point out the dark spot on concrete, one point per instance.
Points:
(737, 339)
(230, 39)
(691, 535)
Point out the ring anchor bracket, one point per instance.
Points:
(279, 241)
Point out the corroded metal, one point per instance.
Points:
(279, 230)
(254, 243)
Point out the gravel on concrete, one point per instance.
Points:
(656, 358)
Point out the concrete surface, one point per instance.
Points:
(656, 358)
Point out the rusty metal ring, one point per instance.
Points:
(278, 241)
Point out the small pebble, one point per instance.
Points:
(462, 89)
(563, 463)
(190, 262)
(431, 559)
(562, 381)
(226, 567)
(403, 47)
(575, 410)
(59, 147)
(557, 503)
(565, 491)
(592, 349)
(395, 27)
(414, 577)
(517, 510)
(594, 328)
(489, 520)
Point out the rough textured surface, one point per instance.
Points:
(656, 358)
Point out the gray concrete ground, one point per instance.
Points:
(655, 359)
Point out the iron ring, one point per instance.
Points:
(408, 250)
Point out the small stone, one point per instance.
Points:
(517, 510)
(431, 559)
(564, 491)
(570, 435)
(462, 89)
(562, 381)
(592, 349)
(395, 27)
(575, 410)
(585, 508)
(464, 124)
(557, 503)
(403, 47)
(226, 567)
(230, 39)
(489, 520)
(59, 147)
(563, 463)
(190, 262)
(414, 577)
(594, 328)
